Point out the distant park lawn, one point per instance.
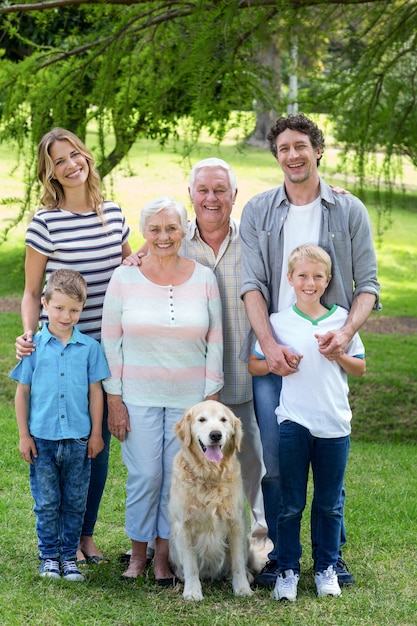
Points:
(381, 482)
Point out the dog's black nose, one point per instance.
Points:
(215, 436)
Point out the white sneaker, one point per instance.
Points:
(50, 568)
(326, 583)
(286, 586)
(71, 571)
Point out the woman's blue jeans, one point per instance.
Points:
(99, 470)
(59, 479)
(298, 449)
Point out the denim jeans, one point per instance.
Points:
(99, 470)
(59, 479)
(298, 449)
(266, 392)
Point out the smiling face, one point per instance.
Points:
(163, 233)
(212, 197)
(63, 313)
(296, 156)
(70, 166)
(310, 280)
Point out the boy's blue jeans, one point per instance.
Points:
(298, 448)
(266, 393)
(59, 480)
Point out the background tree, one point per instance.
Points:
(136, 68)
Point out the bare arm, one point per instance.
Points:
(332, 345)
(257, 366)
(35, 265)
(280, 359)
(95, 406)
(352, 365)
(27, 446)
(126, 250)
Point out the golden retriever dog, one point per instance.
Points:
(207, 505)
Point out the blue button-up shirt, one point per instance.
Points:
(59, 378)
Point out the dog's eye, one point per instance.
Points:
(223, 419)
(202, 419)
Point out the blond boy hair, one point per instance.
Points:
(309, 252)
(68, 282)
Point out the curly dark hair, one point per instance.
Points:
(296, 122)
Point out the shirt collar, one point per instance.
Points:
(326, 194)
(194, 233)
(76, 337)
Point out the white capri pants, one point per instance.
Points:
(148, 453)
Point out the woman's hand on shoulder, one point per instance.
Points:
(24, 345)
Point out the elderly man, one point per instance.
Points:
(213, 240)
(304, 209)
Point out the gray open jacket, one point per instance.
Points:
(345, 233)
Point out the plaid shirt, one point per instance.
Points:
(226, 267)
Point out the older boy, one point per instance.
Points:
(314, 422)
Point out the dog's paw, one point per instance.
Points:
(193, 592)
(243, 592)
(242, 588)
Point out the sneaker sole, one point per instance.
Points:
(50, 575)
(75, 578)
(326, 594)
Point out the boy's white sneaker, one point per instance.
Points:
(286, 586)
(50, 569)
(71, 571)
(327, 583)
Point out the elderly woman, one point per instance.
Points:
(162, 337)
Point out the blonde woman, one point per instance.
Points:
(77, 229)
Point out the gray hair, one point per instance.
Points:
(159, 204)
(213, 163)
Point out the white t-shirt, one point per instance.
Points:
(302, 226)
(316, 396)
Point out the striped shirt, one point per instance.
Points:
(226, 267)
(84, 242)
(163, 344)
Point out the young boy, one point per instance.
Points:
(59, 408)
(314, 423)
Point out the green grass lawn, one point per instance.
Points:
(381, 481)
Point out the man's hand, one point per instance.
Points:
(281, 360)
(332, 345)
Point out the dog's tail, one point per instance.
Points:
(259, 548)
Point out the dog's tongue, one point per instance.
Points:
(213, 453)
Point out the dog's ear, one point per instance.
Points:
(238, 433)
(183, 428)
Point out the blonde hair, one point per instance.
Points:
(53, 194)
(309, 253)
(69, 282)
